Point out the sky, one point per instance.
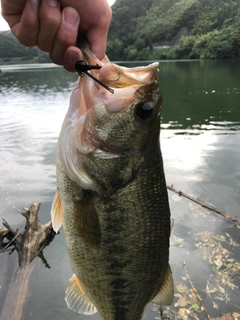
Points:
(4, 25)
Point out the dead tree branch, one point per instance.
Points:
(29, 241)
(195, 291)
(205, 205)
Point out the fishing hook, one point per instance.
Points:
(82, 67)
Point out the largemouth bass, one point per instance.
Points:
(111, 197)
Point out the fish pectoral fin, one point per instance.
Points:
(87, 222)
(56, 212)
(77, 299)
(166, 293)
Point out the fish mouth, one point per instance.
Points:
(118, 77)
(125, 82)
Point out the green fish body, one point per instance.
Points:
(112, 198)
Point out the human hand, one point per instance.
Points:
(53, 25)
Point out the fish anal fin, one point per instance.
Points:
(166, 293)
(56, 212)
(77, 299)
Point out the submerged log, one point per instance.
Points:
(29, 241)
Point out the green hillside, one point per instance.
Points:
(157, 29)
(206, 29)
(11, 51)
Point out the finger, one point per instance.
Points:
(66, 35)
(71, 57)
(98, 40)
(12, 11)
(50, 20)
(97, 35)
(26, 30)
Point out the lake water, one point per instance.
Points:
(200, 141)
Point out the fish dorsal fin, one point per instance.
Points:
(166, 292)
(77, 299)
(56, 212)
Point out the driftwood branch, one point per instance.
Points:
(205, 205)
(12, 237)
(195, 291)
(29, 241)
(3, 233)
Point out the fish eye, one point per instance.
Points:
(144, 110)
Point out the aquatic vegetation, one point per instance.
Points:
(213, 248)
(214, 294)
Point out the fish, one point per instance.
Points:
(111, 195)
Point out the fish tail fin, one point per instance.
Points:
(77, 299)
(166, 293)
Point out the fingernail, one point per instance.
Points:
(52, 3)
(70, 17)
(35, 4)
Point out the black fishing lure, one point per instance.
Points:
(82, 67)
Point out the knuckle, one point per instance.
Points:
(46, 47)
(56, 58)
(108, 15)
(49, 19)
(26, 41)
(109, 12)
(105, 19)
(26, 33)
(65, 40)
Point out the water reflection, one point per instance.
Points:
(199, 139)
(32, 108)
(202, 94)
(39, 81)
